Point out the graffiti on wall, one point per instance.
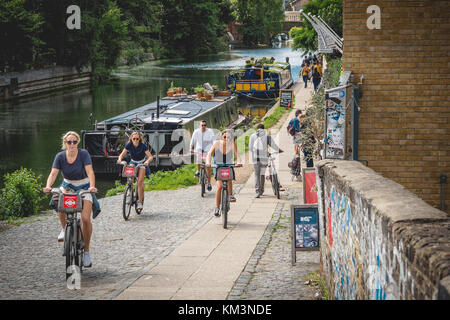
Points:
(362, 256)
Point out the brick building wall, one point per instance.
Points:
(405, 107)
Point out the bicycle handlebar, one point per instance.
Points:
(230, 165)
(140, 165)
(58, 191)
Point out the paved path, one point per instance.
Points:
(175, 250)
(216, 264)
(32, 265)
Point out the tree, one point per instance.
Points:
(305, 37)
(20, 33)
(144, 18)
(192, 28)
(260, 19)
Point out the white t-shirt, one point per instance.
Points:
(202, 140)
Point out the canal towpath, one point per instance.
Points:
(129, 257)
(250, 259)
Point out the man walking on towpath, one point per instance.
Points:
(258, 143)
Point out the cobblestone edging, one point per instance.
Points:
(269, 274)
(245, 277)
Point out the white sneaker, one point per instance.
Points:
(87, 260)
(139, 206)
(61, 236)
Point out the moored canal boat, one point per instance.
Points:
(264, 77)
(158, 121)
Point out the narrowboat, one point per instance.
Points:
(159, 122)
(264, 77)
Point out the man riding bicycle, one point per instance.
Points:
(224, 152)
(140, 154)
(201, 142)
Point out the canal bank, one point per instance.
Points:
(31, 130)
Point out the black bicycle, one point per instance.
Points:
(71, 204)
(224, 173)
(273, 176)
(203, 177)
(130, 197)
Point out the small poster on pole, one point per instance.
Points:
(286, 98)
(304, 229)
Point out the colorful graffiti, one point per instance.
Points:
(363, 257)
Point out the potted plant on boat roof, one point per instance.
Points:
(199, 91)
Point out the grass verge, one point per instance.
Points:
(163, 180)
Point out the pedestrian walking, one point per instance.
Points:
(316, 75)
(305, 74)
(258, 147)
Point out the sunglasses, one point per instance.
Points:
(134, 139)
(203, 125)
(74, 142)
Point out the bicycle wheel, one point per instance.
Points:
(69, 250)
(275, 185)
(203, 182)
(80, 247)
(127, 201)
(136, 199)
(225, 207)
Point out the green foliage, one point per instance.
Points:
(273, 118)
(261, 19)
(21, 195)
(305, 38)
(164, 180)
(191, 28)
(315, 113)
(20, 33)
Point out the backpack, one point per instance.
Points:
(290, 128)
(316, 73)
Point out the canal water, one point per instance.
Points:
(30, 132)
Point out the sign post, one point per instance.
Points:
(286, 98)
(304, 229)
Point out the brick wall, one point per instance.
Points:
(405, 108)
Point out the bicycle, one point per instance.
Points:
(203, 177)
(224, 173)
(273, 176)
(130, 197)
(71, 204)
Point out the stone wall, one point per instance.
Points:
(405, 110)
(378, 240)
(31, 82)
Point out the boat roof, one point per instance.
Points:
(172, 109)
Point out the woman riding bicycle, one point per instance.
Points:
(76, 167)
(224, 151)
(140, 154)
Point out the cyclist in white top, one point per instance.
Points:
(201, 142)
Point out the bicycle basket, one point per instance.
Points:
(224, 173)
(70, 202)
(129, 171)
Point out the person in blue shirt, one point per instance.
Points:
(140, 154)
(76, 168)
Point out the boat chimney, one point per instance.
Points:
(157, 107)
(287, 59)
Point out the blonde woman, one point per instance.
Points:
(140, 154)
(76, 168)
(224, 151)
